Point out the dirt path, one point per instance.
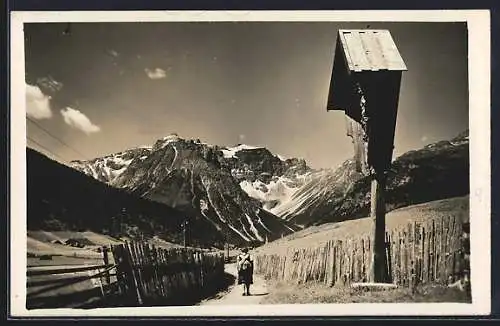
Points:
(233, 295)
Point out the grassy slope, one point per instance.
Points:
(316, 235)
(290, 293)
(39, 243)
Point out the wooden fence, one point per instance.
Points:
(430, 252)
(148, 275)
(135, 274)
(69, 286)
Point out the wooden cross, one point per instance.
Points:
(365, 83)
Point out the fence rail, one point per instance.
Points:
(430, 252)
(65, 270)
(135, 274)
(68, 287)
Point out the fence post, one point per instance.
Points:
(133, 279)
(105, 257)
(388, 251)
(118, 258)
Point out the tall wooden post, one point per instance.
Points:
(365, 84)
(378, 271)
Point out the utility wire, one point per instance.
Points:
(55, 137)
(45, 148)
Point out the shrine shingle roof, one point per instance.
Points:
(370, 50)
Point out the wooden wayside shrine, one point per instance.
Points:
(365, 84)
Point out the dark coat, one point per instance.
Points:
(245, 276)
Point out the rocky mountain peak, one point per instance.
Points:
(244, 189)
(203, 180)
(107, 168)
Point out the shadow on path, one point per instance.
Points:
(234, 294)
(225, 286)
(258, 294)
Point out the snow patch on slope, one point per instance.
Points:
(169, 139)
(316, 186)
(93, 172)
(241, 234)
(245, 230)
(277, 190)
(207, 186)
(230, 152)
(120, 161)
(175, 157)
(263, 225)
(253, 229)
(277, 193)
(143, 147)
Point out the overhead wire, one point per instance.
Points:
(45, 148)
(57, 138)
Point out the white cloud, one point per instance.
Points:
(78, 120)
(424, 138)
(156, 73)
(37, 103)
(113, 53)
(242, 137)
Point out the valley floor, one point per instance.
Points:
(275, 291)
(278, 292)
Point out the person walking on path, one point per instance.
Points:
(244, 265)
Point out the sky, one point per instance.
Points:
(98, 88)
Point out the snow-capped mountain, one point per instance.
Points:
(205, 181)
(320, 190)
(437, 171)
(253, 195)
(106, 169)
(81, 202)
(266, 177)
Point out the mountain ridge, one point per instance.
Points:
(78, 202)
(436, 171)
(236, 187)
(199, 179)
